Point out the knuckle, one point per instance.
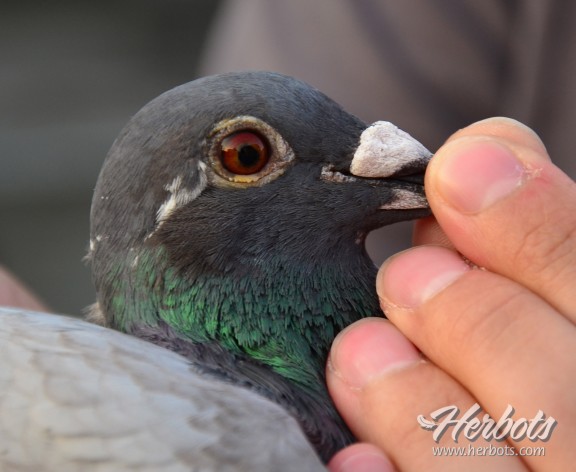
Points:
(490, 309)
(545, 244)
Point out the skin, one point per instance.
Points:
(14, 294)
(449, 343)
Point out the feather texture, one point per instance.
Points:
(79, 397)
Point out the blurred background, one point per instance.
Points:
(71, 75)
(73, 72)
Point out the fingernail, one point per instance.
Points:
(368, 349)
(514, 131)
(412, 277)
(473, 173)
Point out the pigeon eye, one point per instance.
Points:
(244, 153)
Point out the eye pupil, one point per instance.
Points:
(248, 155)
(244, 153)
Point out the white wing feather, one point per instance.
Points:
(78, 397)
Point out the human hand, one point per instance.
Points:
(14, 294)
(496, 328)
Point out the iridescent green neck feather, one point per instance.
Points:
(282, 315)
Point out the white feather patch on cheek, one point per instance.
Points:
(180, 195)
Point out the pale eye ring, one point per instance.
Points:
(246, 151)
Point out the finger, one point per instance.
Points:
(428, 231)
(506, 207)
(14, 294)
(513, 130)
(380, 384)
(360, 457)
(502, 342)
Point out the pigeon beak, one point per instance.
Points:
(387, 152)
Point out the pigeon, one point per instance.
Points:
(77, 397)
(227, 234)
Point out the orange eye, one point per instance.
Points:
(244, 153)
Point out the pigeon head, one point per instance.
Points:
(228, 224)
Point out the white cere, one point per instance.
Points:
(384, 149)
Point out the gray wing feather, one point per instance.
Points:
(78, 397)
